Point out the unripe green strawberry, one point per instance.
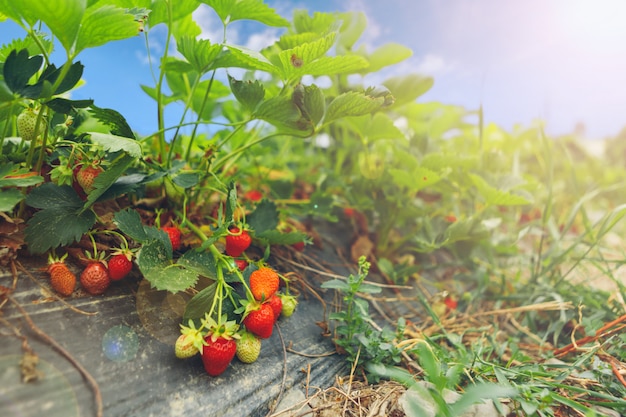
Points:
(248, 347)
(184, 347)
(26, 122)
(289, 304)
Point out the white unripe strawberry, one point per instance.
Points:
(26, 122)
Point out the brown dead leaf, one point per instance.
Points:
(11, 238)
(362, 246)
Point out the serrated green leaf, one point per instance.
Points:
(388, 54)
(57, 226)
(314, 103)
(50, 195)
(248, 93)
(186, 179)
(241, 57)
(129, 223)
(19, 68)
(155, 262)
(200, 303)
(65, 106)
(352, 103)
(9, 198)
(494, 196)
(164, 10)
(63, 17)
(112, 118)
(7, 9)
(377, 126)
(103, 24)
(18, 177)
(331, 65)
(320, 22)
(200, 261)
(291, 40)
(416, 179)
(407, 88)
(43, 87)
(352, 27)
(264, 217)
(336, 284)
(200, 53)
(299, 60)
(114, 143)
(283, 113)
(232, 10)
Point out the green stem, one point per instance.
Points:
(204, 101)
(159, 88)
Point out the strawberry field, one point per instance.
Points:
(296, 235)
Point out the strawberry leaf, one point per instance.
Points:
(103, 24)
(129, 223)
(494, 196)
(248, 93)
(156, 265)
(18, 68)
(407, 88)
(352, 103)
(229, 11)
(61, 220)
(241, 57)
(118, 124)
(62, 17)
(200, 53)
(199, 261)
(264, 217)
(231, 203)
(110, 175)
(9, 198)
(199, 304)
(388, 54)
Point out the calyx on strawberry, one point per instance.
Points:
(219, 345)
(237, 241)
(190, 342)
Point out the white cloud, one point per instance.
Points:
(261, 40)
(432, 64)
(211, 26)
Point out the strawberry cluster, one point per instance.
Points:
(220, 341)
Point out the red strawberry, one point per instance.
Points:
(450, 303)
(260, 322)
(62, 279)
(174, 235)
(253, 195)
(217, 354)
(264, 283)
(241, 264)
(277, 305)
(120, 265)
(87, 175)
(237, 241)
(299, 246)
(95, 278)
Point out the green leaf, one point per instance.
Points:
(494, 196)
(108, 177)
(51, 195)
(9, 198)
(275, 237)
(336, 284)
(200, 53)
(416, 179)
(352, 103)
(49, 76)
(65, 106)
(352, 27)
(63, 17)
(17, 177)
(186, 179)
(320, 22)
(19, 68)
(231, 203)
(238, 56)
(61, 220)
(407, 88)
(331, 65)
(386, 55)
(378, 126)
(476, 394)
(283, 113)
(232, 10)
(314, 105)
(162, 9)
(248, 93)
(103, 24)
(199, 304)
(200, 261)
(129, 223)
(155, 264)
(112, 118)
(113, 143)
(264, 217)
(57, 226)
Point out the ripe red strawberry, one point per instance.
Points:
(26, 122)
(299, 246)
(241, 264)
(277, 305)
(248, 347)
(217, 354)
(237, 242)
(260, 322)
(95, 278)
(120, 265)
(450, 303)
(289, 304)
(264, 283)
(174, 235)
(87, 175)
(253, 195)
(62, 279)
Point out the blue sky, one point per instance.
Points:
(560, 61)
